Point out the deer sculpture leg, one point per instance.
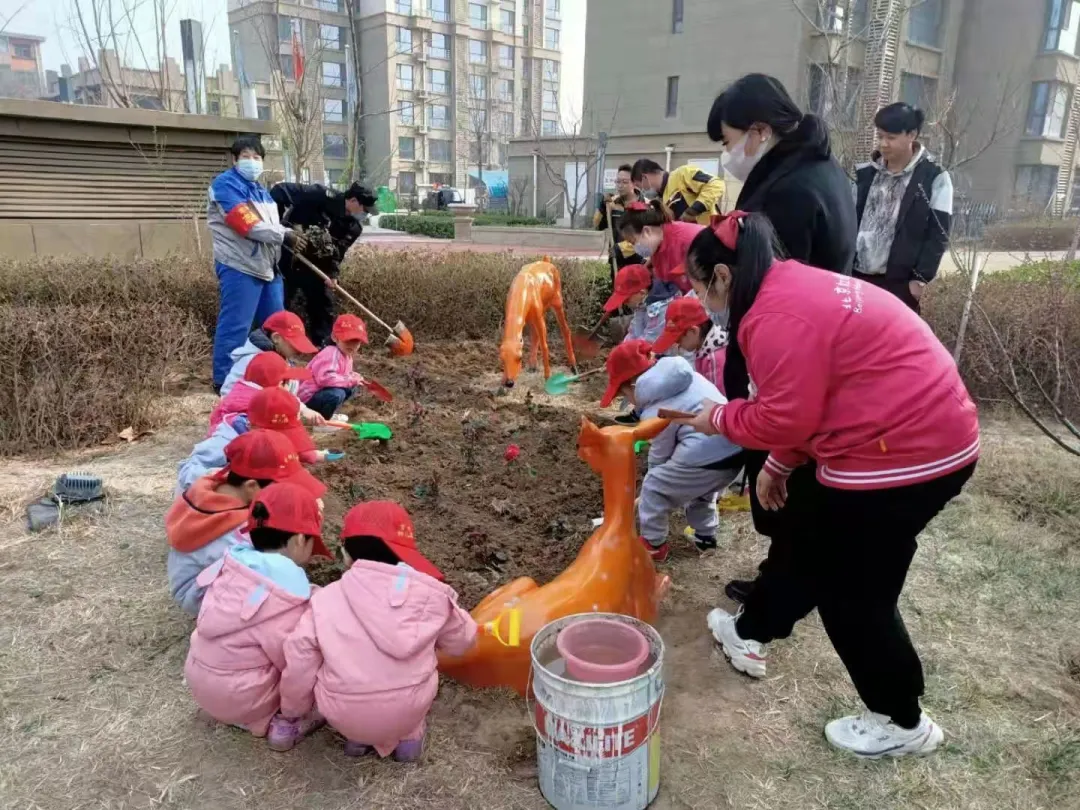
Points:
(540, 330)
(534, 344)
(564, 327)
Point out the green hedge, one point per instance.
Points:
(435, 227)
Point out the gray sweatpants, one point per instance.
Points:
(668, 487)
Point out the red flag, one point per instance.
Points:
(297, 57)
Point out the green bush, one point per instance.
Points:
(435, 227)
(1033, 234)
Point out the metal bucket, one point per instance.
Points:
(597, 744)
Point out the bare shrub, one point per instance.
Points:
(72, 375)
(1034, 235)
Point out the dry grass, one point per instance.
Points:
(93, 713)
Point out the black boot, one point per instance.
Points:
(631, 418)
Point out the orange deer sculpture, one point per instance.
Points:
(613, 573)
(536, 288)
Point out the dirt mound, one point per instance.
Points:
(481, 519)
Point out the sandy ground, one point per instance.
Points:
(94, 714)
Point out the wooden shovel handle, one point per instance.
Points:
(345, 294)
(664, 413)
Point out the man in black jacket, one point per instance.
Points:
(904, 204)
(339, 214)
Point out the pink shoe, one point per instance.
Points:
(409, 750)
(286, 733)
(356, 749)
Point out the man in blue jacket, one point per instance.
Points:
(247, 237)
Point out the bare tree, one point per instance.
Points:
(6, 19)
(516, 193)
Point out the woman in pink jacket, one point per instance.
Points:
(255, 596)
(364, 652)
(842, 373)
(662, 241)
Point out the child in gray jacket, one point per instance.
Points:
(686, 468)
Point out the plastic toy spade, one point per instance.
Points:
(513, 627)
(376, 390)
(559, 384)
(365, 430)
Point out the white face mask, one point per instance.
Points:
(738, 163)
(249, 168)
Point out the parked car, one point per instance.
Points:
(438, 199)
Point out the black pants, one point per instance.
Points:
(783, 527)
(319, 305)
(901, 289)
(851, 563)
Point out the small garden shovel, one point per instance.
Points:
(559, 384)
(365, 430)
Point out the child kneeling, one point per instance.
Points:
(686, 468)
(364, 652)
(333, 380)
(255, 595)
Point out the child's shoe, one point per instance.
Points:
(356, 749)
(285, 733)
(658, 553)
(409, 750)
(700, 541)
(631, 418)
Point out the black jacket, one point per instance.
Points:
(922, 230)
(312, 205)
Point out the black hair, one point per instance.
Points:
(643, 166)
(237, 480)
(633, 221)
(756, 248)
(252, 142)
(362, 194)
(368, 547)
(899, 118)
(265, 538)
(755, 98)
(626, 167)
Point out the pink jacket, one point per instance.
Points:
(238, 400)
(330, 368)
(847, 375)
(364, 652)
(236, 657)
(669, 260)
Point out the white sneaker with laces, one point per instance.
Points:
(872, 736)
(745, 655)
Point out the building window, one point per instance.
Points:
(836, 103)
(549, 127)
(439, 179)
(438, 47)
(286, 26)
(1049, 110)
(439, 116)
(404, 40)
(554, 12)
(832, 14)
(506, 21)
(330, 37)
(406, 148)
(405, 77)
(333, 110)
(551, 70)
(334, 145)
(672, 105)
(551, 39)
(20, 51)
(439, 81)
(328, 5)
(478, 87)
(1035, 185)
(406, 182)
(440, 10)
(919, 91)
(407, 113)
(924, 23)
(506, 56)
(439, 151)
(506, 123)
(335, 177)
(479, 120)
(333, 74)
(262, 111)
(1062, 24)
(506, 90)
(478, 52)
(551, 99)
(288, 67)
(676, 16)
(478, 15)
(215, 108)
(403, 6)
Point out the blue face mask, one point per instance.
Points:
(643, 250)
(249, 168)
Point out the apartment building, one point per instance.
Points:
(1001, 74)
(108, 82)
(443, 84)
(21, 72)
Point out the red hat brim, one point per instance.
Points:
(319, 549)
(611, 392)
(301, 343)
(300, 438)
(302, 478)
(414, 559)
(615, 301)
(668, 338)
(351, 334)
(297, 373)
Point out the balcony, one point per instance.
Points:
(420, 21)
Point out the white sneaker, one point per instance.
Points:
(745, 655)
(873, 736)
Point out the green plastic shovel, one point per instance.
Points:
(365, 430)
(559, 384)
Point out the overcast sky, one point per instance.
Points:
(55, 20)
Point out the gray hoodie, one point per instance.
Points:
(672, 383)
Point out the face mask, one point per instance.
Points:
(643, 249)
(738, 163)
(649, 194)
(249, 168)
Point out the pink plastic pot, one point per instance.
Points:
(602, 651)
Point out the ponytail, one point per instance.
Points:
(640, 215)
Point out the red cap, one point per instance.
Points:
(292, 509)
(626, 361)
(349, 327)
(265, 455)
(633, 278)
(269, 369)
(291, 329)
(682, 315)
(276, 409)
(390, 523)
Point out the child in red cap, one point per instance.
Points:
(687, 325)
(255, 595)
(333, 380)
(266, 370)
(206, 520)
(283, 333)
(687, 469)
(364, 652)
